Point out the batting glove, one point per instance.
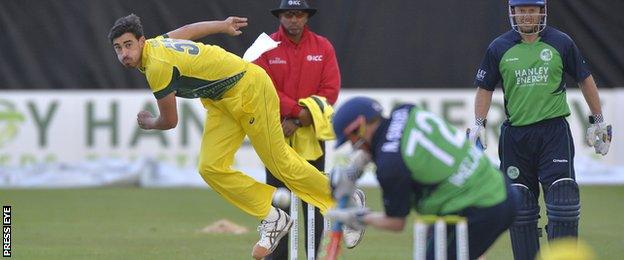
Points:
(476, 133)
(351, 217)
(599, 134)
(342, 178)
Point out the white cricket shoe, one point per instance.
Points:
(270, 234)
(352, 237)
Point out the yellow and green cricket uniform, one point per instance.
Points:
(240, 100)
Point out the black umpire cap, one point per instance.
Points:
(286, 5)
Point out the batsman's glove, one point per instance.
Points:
(599, 134)
(351, 217)
(476, 133)
(342, 178)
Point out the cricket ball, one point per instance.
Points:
(281, 198)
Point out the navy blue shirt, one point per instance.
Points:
(399, 190)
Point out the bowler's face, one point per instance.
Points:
(128, 49)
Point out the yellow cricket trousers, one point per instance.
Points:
(251, 108)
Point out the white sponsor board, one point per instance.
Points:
(75, 126)
(72, 126)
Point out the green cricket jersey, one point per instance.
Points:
(425, 163)
(532, 74)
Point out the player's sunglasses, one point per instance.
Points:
(290, 14)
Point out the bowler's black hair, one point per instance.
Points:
(130, 23)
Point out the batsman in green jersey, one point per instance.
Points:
(535, 145)
(423, 163)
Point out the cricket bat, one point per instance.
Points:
(333, 248)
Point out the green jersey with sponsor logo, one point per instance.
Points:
(532, 74)
(453, 174)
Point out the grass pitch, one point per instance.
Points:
(132, 223)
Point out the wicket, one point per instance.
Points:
(421, 228)
(293, 242)
(293, 235)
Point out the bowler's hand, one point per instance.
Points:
(233, 24)
(146, 120)
(351, 217)
(289, 127)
